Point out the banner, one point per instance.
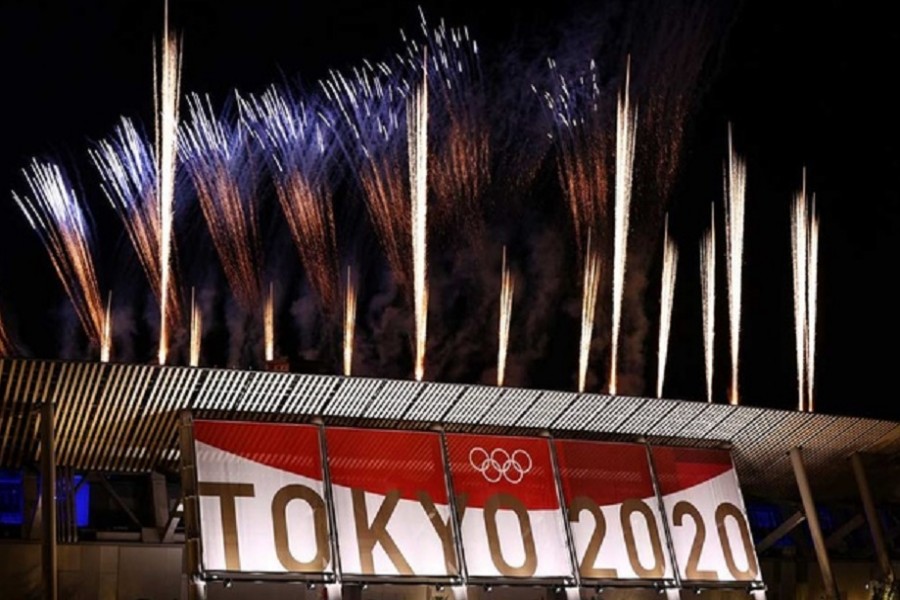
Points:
(707, 518)
(262, 506)
(391, 503)
(613, 511)
(508, 507)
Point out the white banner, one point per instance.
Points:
(706, 514)
(262, 506)
(506, 496)
(390, 503)
(614, 515)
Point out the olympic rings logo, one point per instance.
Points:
(499, 464)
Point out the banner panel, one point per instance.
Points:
(508, 507)
(262, 506)
(613, 510)
(391, 503)
(706, 513)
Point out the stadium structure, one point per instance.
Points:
(100, 494)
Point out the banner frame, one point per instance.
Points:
(698, 584)
(246, 576)
(355, 578)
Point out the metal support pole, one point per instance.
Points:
(815, 530)
(196, 587)
(872, 516)
(48, 504)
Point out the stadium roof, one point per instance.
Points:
(124, 418)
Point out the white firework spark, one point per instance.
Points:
(667, 295)
(167, 85)
(417, 129)
(708, 284)
(735, 193)
(626, 128)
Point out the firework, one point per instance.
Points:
(507, 291)
(269, 323)
(590, 286)
(667, 296)
(735, 189)
(166, 101)
(106, 339)
(54, 211)
(417, 126)
(127, 168)
(219, 160)
(580, 133)
(349, 322)
(458, 169)
(708, 286)
(805, 250)
(299, 143)
(6, 345)
(371, 102)
(196, 332)
(626, 126)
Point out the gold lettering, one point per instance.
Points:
(227, 493)
(587, 568)
(443, 529)
(629, 507)
(727, 509)
(320, 525)
(682, 509)
(509, 502)
(376, 533)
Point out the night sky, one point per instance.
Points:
(805, 84)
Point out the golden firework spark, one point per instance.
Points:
(626, 127)
(349, 322)
(106, 339)
(667, 296)
(269, 323)
(708, 285)
(54, 211)
(735, 192)
(196, 331)
(589, 288)
(507, 290)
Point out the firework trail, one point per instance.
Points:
(626, 126)
(371, 103)
(128, 174)
(812, 299)
(196, 331)
(590, 287)
(459, 159)
(55, 213)
(667, 296)
(735, 191)
(708, 286)
(805, 249)
(106, 340)
(299, 143)
(219, 161)
(507, 291)
(580, 133)
(166, 101)
(6, 345)
(349, 322)
(417, 127)
(269, 323)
